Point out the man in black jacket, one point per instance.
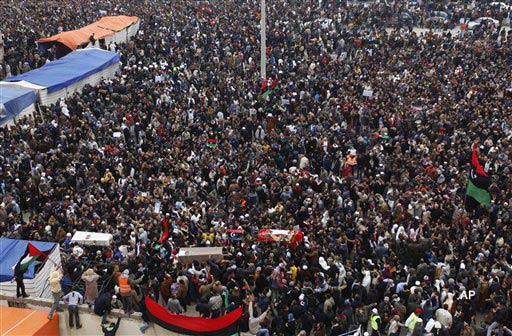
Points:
(102, 306)
(109, 328)
(20, 286)
(500, 318)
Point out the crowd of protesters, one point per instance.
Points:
(361, 139)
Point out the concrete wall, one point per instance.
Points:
(91, 324)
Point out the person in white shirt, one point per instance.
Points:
(254, 322)
(73, 299)
(394, 326)
(444, 317)
(260, 133)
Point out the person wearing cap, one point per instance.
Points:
(126, 290)
(290, 325)
(351, 161)
(115, 303)
(375, 322)
(412, 320)
(67, 243)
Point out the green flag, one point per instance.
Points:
(267, 93)
(481, 195)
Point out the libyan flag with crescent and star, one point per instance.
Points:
(235, 234)
(477, 191)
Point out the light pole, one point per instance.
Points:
(1, 48)
(263, 37)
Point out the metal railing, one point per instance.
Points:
(358, 331)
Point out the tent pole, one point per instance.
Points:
(40, 112)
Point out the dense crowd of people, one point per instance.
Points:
(361, 139)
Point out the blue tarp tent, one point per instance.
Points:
(11, 250)
(13, 101)
(68, 70)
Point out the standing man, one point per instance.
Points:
(412, 320)
(20, 286)
(375, 322)
(500, 318)
(55, 278)
(74, 298)
(394, 326)
(92, 39)
(103, 305)
(255, 327)
(127, 290)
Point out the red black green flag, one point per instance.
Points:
(477, 191)
(189, 325)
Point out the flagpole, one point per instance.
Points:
(48, 257)
(469, 177)
(58, 266)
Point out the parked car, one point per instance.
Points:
(406, 19)
(481, 20)
(501, 5)
(438, 18)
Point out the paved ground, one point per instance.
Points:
(91, 324)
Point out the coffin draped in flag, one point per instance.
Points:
(291, 237)
(477, 191)
(188, 325)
